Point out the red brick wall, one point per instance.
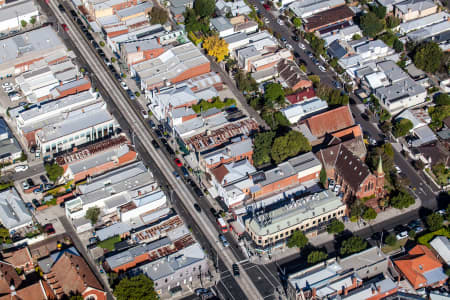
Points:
(99, 295)
(30, 138)
(27, 63)
(75, 90)
(116, 33)
(276, 186)
(247, 155)
(187, 118)
(62, 58)
(124, 5)
(361, 193)
(152, 53)
(379, 296)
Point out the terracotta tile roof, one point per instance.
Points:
(301, 96)
(292, 75)
(19, 257)
(330, 16)
(8, 277)
(419, 260)
(73, 274)
(219, 173)
(330, 121)
(35, 291)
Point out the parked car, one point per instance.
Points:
(144, 113)
(178, 162)
(106, 60)
(65, 27)
(6, 84)
(402, 235)
(21, 168)
(29, 205)
(49, 229)
(185, 171)
(322, 68)
(14, 96)
(38, 190)
(131, 95)
(43, 179)
(124, 85)
(30, 182)
(176, 174)
(36, 203)
(25, 185)
(155, 144)
(201, 291)
(224, 241)
(266, 6)
(197, 207)
(289, 46)
(61, 8)
(301, 46)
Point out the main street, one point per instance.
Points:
(421, 188)
(112, 92)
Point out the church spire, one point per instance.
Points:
(380, 166)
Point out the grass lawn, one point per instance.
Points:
(387, 249)
(109, 243)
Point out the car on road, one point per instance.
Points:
(236, 271)
(266, 6)
(224, 241)
(25, 185)
(130, 93)
(322, 68)
(402, 235)
(158, 133)
(280, 22)
(289, 46)
(198, 191)
(302, 46)
(73, 13)
(152, 124)
(21, 168)
(36, 203)
(144, 113)
(124, 85)
(197, 207)
(213, 212)
(185, 171)
(337, 84)
(43, 179)
(201, 291)
(49, 229)
(106, 60)
(397, 169)
(176, 174)
(295, 38)
(65, 27)
(61, 8)
(178, 162)
(169, 150)
(283, 39)
(29, 205)
(365, 117)
(155, 144)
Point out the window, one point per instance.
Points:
(71, 139)
(91, 297)
(314, 222)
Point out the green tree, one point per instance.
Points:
(371, 25)
(356, 37)
(369, 214)
(378, 10)
(335, 227)
(442, 99)
(297, 239)
(204, 8)
(412, 234)
(316, 256)
(262, 146)
(438, 114)
(434, 221)
(23, 23)
(76, 297)
(33, 20)
(315, 79)
(402, 127)
(4, 235)
(245, 82)
(274, 92)
(92, 214)
(388, 38)
(398, 46)
(158, 15)
(289, 145)
(138, 287)
(402, 199)
(427, 56)
(391, 240)
(353, 244)
(54, 171)
(297, 22)
(392, 21)
(323, 177)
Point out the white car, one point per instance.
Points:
(289, 46)
(124, 85)
(322, 68)
(21, 168)
(6, 84)
(398, 170)
(8, 89)
(402, 235)
(280, 22)
(301, 46)
(144, 114)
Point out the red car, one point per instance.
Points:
(178, 162)
(266, 6)
(49, 229)
(64, 26)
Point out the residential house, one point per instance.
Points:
(422, 134)
(177, 64)
(222, 26)
(235, 8)
(327, 18)
(307, 8)
(10, 149)
(304, 109)
(389, 4)
(441, 246)
(67, 273)
(437, 32)
(338, 277)
(421, 268)
(271, 227)
(96, 158)
(178, 7)
(99, 9)
(339, 32)
(76, 128)
(23, 50)
(373, 289)
(12, 14)
(175, 270)
(20, 258)
(13, 213)
(235, 151)
(413, 9)
(142, 9)
(247, 26)
(301, 95)
(141, 50)
(291, 76)
(145, 32)
(413, 25)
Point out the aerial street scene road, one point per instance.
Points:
(229, 149)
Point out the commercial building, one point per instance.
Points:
(327, 18)
(271, 227)
(10, 149)
(138, 51)
(337, 277)
(177, 64)
(304, 109)
(19, 52)
(235, 151)
(307, 8)
(76, 128)
(413, 9)
(11, 15)
(13, 213)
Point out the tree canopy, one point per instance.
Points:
(4, 235)
(402, 199)
(392, 21)
(427, 56)
(335, 226)
(353, 244)
(391, 239)
(204, 8)
(402, 127)
(54, 171)
(334, 97)
(378, 10)
(274, 119)
(323, 177)
(262, 147)
(297, 239)
(371, 24)
(92, 214)
(434, 221)
(139, 287)
(158, 15)
(274, 92)
(316, 256)
(442, 99)
(245, 82)
(289, 145)
(216, 47)
(369, 214)
(297, 22)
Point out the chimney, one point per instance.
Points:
(75, 149)
(354, 281)
(379, 289)
(138, 48)
(313, 294)
(373, 291)
(60, 83)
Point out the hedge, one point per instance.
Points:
(194, 38)
(424, 239)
